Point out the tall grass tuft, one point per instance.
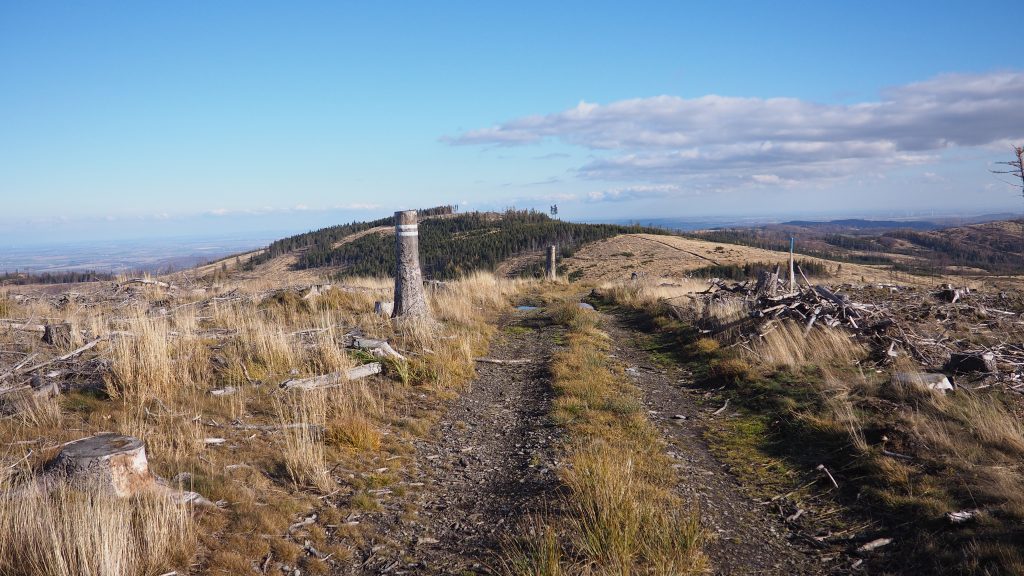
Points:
(66, 531)
(303, 417)
(142, 366)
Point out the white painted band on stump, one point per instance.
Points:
(413, 233)
(408, 226)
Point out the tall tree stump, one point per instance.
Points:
(410, 300)
(551, 270)
(108, 461)
(58, 335)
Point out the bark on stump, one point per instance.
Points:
(410, 300)
(551, 271)
(58, 335)
(108, 461)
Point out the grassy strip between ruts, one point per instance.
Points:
(620, 513)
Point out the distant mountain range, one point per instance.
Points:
(849, 225)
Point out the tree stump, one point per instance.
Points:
(58, 335)
(108, 461)
(410, 299)
(962, 362)
(551, 268)
(383, 308)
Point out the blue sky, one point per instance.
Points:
(162, 118)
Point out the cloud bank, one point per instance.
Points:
(776, 141)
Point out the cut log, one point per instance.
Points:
(966, 362)
(110, 462)
(332, 379)
(315, 291)
(383, 308)
(949, 293)
(58, 335)
(147, 282)
(936, 382)
(23, 326)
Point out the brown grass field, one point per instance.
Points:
(195, 371)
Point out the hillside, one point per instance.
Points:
(674, 257)
(451, 244)
(985, 248)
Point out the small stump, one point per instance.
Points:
(964, 363)
(58, 335)
(109, 461)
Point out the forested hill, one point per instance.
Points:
(449, 246)
(324, 239)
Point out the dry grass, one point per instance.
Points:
(303, 418)
(650, 293)
(142, 367)
(788, 344)
(67, 532)
(622, 513)
(171, 350)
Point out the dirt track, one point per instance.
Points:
(746, 539)
(489, 464)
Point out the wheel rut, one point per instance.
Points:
(487, 464)
(746, 539)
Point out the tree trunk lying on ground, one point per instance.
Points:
(332, 379)
(23, 326)
(147, 282)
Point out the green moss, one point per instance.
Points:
(744, 443)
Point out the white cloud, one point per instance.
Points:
(668, 138)
(633, 193)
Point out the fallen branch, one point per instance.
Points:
(333, 379)
(23, 326)
(376, 347)
(67, 356)
(821, 468)
(509, 362)
(18, 366)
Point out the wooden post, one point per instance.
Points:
(792, 274)
(551, 271)
(410, 300)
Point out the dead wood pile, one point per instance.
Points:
(950, 329)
